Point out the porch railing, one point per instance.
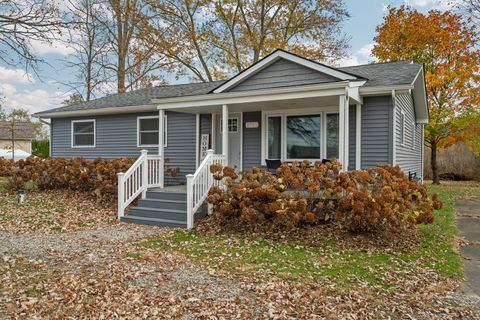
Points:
(145, 173)
(199, 183)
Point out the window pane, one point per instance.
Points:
(83, 140)
(303, 137)
(149, 138)
(83, 127)
(274, 137)
(149, 124)
(233, 125)
(332, 135)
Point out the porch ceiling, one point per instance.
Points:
(312, 102)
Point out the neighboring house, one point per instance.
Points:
(282, 107)
(23, 134)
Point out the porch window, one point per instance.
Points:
(274, 137)
(83, 133)
(148, 131)
(333, 123)
(303, 137)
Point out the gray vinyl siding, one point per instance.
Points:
(377, 133)
(116, 137)
(206, 126)
(352, 119)
(252, 141)
(408, 156)
(283, 73)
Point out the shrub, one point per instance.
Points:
(299, 194)
(383, 198)
(307, 194)
(41, 148)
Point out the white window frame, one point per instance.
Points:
(230, 118)
(73, 133)
(402, 124)
(282, 144)
(322, 111)
(165, 132)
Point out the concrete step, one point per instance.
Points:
(163, 195)
(154, 221)
(158, 213)
(163, 204)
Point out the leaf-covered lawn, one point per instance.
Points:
(53, 211)
(128, 271)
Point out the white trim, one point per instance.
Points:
(394, 128)
(275, 56)
(197, 138)
(341, 134)
(283, 114)
(383, 90)
(161, 132)
(165, 144)
(358, 137)
(346, 128)
(273, 94)
(214, 132)
(224, 131)
(423, 150)
(94, 133)
(241, 141)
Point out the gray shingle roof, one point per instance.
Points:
(21, 131)
(140, 97)
(378, 74)
(386, 73)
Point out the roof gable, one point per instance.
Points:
(271, 67)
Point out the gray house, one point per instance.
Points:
(283, 107)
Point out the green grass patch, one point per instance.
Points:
(328, 262)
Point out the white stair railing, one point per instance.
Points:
(146, 172)
(199, 183)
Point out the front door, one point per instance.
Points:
(234, 139)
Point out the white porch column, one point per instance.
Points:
(346, 105)
(161, 145)
(343, 108)
(197, 139)
(225, 132)
(161, 130)
(358, 137)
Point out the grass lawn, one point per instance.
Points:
(329, 262)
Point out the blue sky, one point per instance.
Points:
(23, 90)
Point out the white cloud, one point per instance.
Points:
(361, 56)
(17, 76)
(58, 47)
(433, 4)
(33, 100)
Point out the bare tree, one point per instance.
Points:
(23, 22)
(131, 57)
(89, 41)
(214, 38)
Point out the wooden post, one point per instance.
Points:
(120, 195)
(358, 137)
(341, 134)
(189, 201)
(225, 132)
(144, 173)
(161, 145)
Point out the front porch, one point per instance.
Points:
(316, 125)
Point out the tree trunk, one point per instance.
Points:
(433, 162)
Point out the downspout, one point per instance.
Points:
(394, 128)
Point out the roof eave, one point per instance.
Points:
(90, 112)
